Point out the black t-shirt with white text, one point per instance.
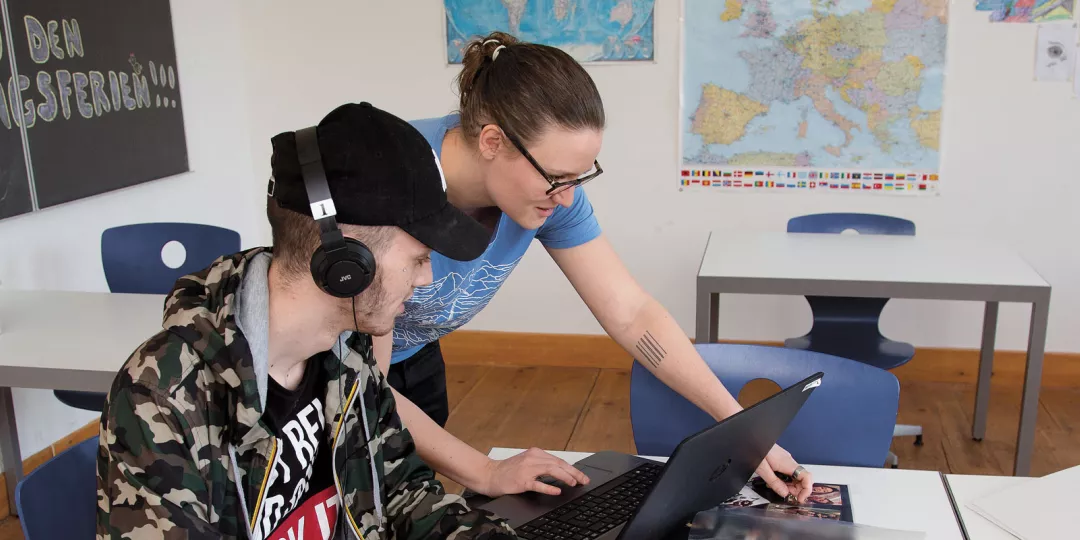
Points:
(301, 500)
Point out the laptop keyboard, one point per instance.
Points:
(596, 512)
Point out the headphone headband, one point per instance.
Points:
(343, 267)
(318, 190)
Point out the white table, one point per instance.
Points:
(888, 498)
(61, 340)
(966, 488)
(927, 267)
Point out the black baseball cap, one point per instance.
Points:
(380, 171)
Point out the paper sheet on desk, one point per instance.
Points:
(725, 522)
(1036, 509)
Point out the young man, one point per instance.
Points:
(258, 411)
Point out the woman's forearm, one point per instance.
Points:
(657, 341)
(442, 451)
(637, 322)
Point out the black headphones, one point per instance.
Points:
(343, 267)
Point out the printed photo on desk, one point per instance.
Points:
(829, 501)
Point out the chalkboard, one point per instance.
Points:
(100, 93)
(14, 186)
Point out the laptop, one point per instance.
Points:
(631, 498)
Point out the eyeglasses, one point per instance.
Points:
(556, 185)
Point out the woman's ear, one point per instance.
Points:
(490, 141)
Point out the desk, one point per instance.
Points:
(889, 498)
(882, 266)
(65, 341)
(966, 488)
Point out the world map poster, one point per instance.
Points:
(842, 95)
(588, 30)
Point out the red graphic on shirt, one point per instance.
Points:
(312, 520)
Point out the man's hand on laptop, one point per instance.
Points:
(780, 460)
(522, 473)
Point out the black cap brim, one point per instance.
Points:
(451, 233)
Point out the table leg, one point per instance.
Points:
(1029, 407)
(714, 318)
(986, 368)
(9, 446)
(708, 310)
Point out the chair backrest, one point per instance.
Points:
(59, 499)
(848, 421)
(836, 223)
(131, 254)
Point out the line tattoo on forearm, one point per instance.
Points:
(650, 350)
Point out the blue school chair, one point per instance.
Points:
(131, 258)
(59, 499)
(845, 326)
(847, 421)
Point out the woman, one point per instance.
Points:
(529, 130)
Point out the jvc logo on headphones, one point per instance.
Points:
(345, 278)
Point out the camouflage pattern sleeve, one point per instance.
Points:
(148, 484)
(417, 506)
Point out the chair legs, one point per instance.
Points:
(904, 430)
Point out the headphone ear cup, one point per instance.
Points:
(318, 269)
(364, 259)
(346, 273)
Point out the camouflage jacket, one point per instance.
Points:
(181, 429)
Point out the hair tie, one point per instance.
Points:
(495, 53)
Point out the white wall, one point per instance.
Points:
(58, 248)
(1018, 156)
(254, 70)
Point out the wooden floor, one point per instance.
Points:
(588, 409)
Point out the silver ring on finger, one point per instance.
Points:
(798, 471)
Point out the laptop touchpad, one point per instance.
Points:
(593, 472)
(521, 508)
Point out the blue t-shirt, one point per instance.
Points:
(461, 289)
